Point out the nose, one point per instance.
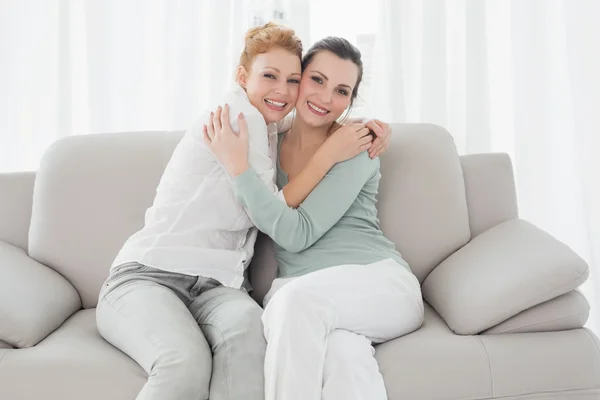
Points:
(325, 97)
(282, 89)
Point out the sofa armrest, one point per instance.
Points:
(15, 207)
(34, 299)
(500, 273)
(490, 190)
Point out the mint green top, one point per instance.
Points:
(337, 223)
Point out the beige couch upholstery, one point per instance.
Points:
(503, 317)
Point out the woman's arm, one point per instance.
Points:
(297, 229)
(293, 229)
(382, 133)
(298, 189)
(344, 144)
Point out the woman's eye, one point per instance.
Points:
(317, 79)
(294, 81)
(343, 92)
(270, 76)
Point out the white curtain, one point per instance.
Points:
(76, 67)
(521, 77)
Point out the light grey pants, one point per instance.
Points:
(191, 335)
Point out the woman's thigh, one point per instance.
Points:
(150, 323)
(381, 301)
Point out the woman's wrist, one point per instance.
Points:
(238, 168)
(323, 157)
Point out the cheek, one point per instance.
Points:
(256, 89)
(304, 89)
(294, 93)
(340, 103)
(251, 90)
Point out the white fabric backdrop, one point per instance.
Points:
(517, 76)
(521, 77)
(76, 67)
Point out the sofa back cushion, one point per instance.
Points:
(91, 193)
(422, 202)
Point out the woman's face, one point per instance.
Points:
(272, 83)
(326, 89)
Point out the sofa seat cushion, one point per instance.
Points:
(435, 363)
(74, 362)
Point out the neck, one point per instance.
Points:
(304, 137)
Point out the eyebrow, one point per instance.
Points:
(326, 78)
(277, 69)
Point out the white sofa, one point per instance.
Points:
(503, 318)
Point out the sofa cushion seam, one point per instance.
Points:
(510, 396)
(489, 362)
(583, 297)
(4, 355)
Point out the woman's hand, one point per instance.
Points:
(347, 142)
(231, 149)
(382, 141)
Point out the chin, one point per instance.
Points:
(269, 116)
(314, 120)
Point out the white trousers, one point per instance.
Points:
(320, 329)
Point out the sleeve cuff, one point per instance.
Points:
(245, 179)
(244, 184)
(281, 197)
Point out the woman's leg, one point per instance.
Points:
(231, 322)
(381, 301)
(153, 326)
(350, 371)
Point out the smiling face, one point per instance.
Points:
(326, 89)
(272, 83)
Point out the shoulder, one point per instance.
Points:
(361, 162)
(238, 102)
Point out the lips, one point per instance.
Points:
(316, 109)
(275, 105)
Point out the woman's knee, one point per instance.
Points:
(347, 346)
(184, 361)
(295, 307)
(188, 365)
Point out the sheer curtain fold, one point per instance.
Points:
(512, 76)
(76, 67)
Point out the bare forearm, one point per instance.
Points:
(296, 191)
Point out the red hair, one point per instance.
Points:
(262, 39)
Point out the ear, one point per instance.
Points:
(242, 76)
